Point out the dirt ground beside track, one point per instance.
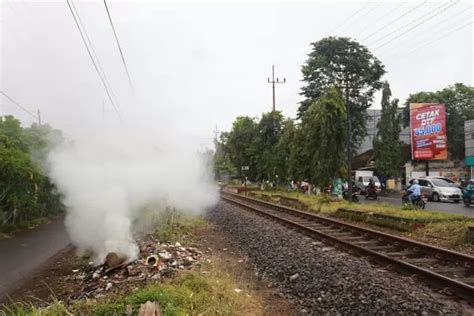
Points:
(51, 279)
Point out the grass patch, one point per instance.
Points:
(175, 226)
(450, 229)
(451, 234)
(328, 205)
(209, 291)
(6, 230)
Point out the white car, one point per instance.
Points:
(440, 190)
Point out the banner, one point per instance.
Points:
(428, 131)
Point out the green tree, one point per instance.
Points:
(25, 192)
(284, 148)
(222, 161)
(387, 143)
(350, 67)
(299, 157)
(41, 139)
(269, 132)
(459, 101)
(243, 146)
(325, 130)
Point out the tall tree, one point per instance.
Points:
(459, 100)
(243, 146)
(387, 142)
(325, 130)
(269, 132)
(347, 65)
(222, 163)
(284, 148)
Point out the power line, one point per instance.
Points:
(349, 18)
(89, 42)
(18, 105)
(92, 59)
(389, 12)
(416, 25)
(394, 20)
(437, 27)
(411, 22)
(367, 12)
(118, 44)
(438, 38)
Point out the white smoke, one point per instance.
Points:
(109, 177)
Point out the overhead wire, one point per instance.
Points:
(446, 34)
(416, 25)
(394, 20)
(99, 64)
(93, 61)
(389, 12)
(19, 105)
(384, 36)
(436, 29)
(349, 18)
(118, 44)
(378, 4)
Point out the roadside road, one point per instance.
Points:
(455, 208)
(25, 252)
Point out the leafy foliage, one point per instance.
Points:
(325, 131)
(459, 100)
(25, 193)
(387, 142)
(351, 68)
(242, 145)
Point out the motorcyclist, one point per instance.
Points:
(470, 185)
(371, 185)
(415, 190)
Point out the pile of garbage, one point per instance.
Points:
(156, 260)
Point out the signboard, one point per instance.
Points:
(428, 131)
(469, 139)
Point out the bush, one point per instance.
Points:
(26, 194)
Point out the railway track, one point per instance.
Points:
(447, 270)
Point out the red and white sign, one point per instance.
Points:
(428, 131)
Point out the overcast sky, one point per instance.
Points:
(195, 66)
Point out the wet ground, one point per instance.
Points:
(26, 251)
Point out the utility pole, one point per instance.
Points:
(349, 144)
(273, 84)
(39, 117)
(216, 133)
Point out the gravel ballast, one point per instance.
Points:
(322, 279)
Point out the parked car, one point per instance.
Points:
(440, 190)
(363, 181)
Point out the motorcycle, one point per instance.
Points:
(468, 197)
(418, 202)
(355, 195)
(371, 193)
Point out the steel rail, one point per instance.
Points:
(447, 260)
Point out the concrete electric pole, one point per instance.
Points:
(273, 84)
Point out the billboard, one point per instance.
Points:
(428, 131)
(469, 139)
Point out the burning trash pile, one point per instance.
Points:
(156, 261)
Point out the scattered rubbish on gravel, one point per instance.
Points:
(156, 260)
